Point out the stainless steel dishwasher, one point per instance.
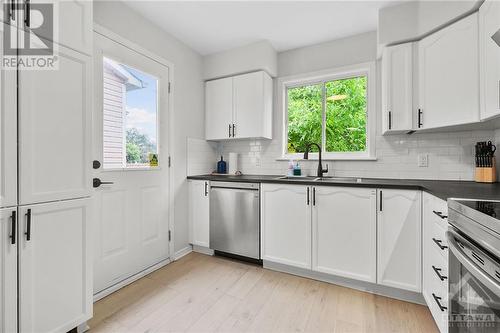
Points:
(235, 218)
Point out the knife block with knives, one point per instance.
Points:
(485, 162)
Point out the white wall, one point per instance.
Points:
(450, 154)
(250, 58)
(188, 92)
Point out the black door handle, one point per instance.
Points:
(27, 14)
(13, 227)
(438, 243)
(233, 130)
(96, 182)
(206, 188)
(437, 299)
(12, 10)
(440, 214)
(438, 273)
(28, 225)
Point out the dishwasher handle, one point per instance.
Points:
(235, 185)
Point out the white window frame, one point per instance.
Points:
(367, 69)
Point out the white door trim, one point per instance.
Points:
(139, 49)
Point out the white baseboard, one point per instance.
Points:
(182, 252)
(203, 250)
(404, 295)
(129, 280)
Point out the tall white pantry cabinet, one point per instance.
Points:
(45, 184)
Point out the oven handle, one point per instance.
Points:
(469, 264)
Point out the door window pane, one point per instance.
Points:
(130, 116)
(346, 115)
(304, 116)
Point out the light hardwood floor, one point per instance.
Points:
(200, 293)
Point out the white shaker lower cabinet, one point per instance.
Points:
(286, 224)
(55, 277)
(489, 62)
(8, 270)
(399, 239)
(54, 130)
(199, 215)
(345, 232)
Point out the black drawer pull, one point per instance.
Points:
(438, 243)
(440, 214)
(13, 228)
(438, 273)
(438, 299)
(28, 225)
(206, 188)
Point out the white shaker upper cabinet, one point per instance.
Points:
(448, 75)
(8, 270)
(397, 88)
(219, 109)
(345, 232)
(8, 133)
(286, 224)
(54, 130)
(399, 239)
(489, 52)
(199, 214)
(55, 267)
(239, 107)
(253, 105)
(72, 23)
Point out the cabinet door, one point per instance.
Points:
(8, 133)
(252, 105)
(399, 239)
(449, 75)
(54, 137)
(199, 202)
(8, 270)
(286, 224)
(489, 51)
(397, 88)
(219, 109)
(345, 232)
(72, 23)
(55, 277)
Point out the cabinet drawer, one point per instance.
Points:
(436, 289)
(435, 239)
(439, 212)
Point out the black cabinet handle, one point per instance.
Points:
(12, 9)
(390, 119)
(438, 243)
(27, 14)
(206, 188)
(314, 196)
(13, 222)
(438, 299)
(308, 196)
(234, 126)
(438, 273)
(420, 118)
(229, 130)
(96, 182)
(28, 225)
(380, 203)
(440, 214)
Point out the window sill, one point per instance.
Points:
(144, 168)
(328, 158)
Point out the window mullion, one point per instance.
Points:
(323, 121)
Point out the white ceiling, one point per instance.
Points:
(213, 26)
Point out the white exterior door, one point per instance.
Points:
(286, 224)
(449, 75)
(489, 52)
(399, 239)
(55, 270)
(199, 214)
(8, 270)
(345, 218)
(397, 88)
(219, 109)
(8, 133)
(130, 127)
(55, 129)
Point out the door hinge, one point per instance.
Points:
(169, 235)
(169, 87)
(169, 161)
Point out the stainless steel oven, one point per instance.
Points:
(474, 266)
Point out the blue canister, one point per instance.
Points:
(221, 166)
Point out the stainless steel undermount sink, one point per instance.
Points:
(339, 179)
(296, 178)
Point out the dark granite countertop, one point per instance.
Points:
(443, 189)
